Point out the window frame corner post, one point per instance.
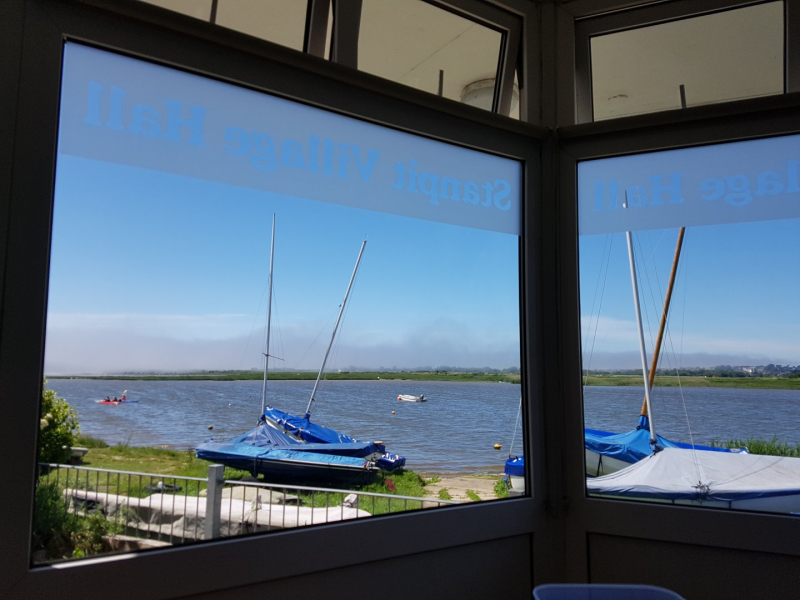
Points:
(316, 32)
(346, 28)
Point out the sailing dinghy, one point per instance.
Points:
(288, 449)
(715, 479)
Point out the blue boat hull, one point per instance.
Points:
(291, 467)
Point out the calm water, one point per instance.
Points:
(454, 431)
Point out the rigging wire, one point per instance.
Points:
(516, 426)
(253, 325)
(649, 288)
(281, 348)
(607, 260)
(314, 341)
(597, 286)
(682, 274)
(344, 319)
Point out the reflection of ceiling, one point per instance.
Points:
(409, 41)
(199, 9)
(724, 56)
(279, 21)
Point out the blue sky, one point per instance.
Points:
(735, 301)
(153, 271)
(166, 186)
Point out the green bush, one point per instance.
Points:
(58, 533)
(59, 429)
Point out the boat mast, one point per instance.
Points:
(645, 412)
(335, 327)
(269, 320)
(642, 351)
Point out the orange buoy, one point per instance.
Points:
(392, 412)
(498, 446)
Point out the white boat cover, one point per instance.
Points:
(678, 474)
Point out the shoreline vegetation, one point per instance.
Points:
(697, 381)
(168, 462)
(764, 383)
(307, 375)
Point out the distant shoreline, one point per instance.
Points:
(761, 383)
(754, 383)
(308, 375)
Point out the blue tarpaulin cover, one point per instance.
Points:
(515, 465)
(633, 446)
(270, 451)
(264, 436)
(629, 447)
(305, 429)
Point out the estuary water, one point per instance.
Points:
(455, 431)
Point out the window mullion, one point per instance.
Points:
(346, 25)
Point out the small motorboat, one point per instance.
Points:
(410, 398)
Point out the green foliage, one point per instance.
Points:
(767, 447)
(432, 480)
(59, 429)
(473, 496)
(406, 483)
(501, 488)
(58, 533)
(716, 381)
(444, 494)
(87, 441)
(510, 375)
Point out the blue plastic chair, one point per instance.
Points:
(602, 591)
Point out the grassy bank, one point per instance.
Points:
(760, 383)
(308, 375)
(168, 463)
(767, 447)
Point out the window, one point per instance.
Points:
(430, 49)
(715, 424)
(162, 306)
(279, 21)
(717, 57)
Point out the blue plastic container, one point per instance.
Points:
(602, 591)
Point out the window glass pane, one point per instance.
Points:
(412, 42)
(200, 9)
(160, 274)
(725, 403)
(279, 21)
(724, 56)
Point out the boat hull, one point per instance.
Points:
(409, 398)
(291, 467)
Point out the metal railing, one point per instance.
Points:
(147, 509)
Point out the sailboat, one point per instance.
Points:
(694, 475)
(607, 452)
(288, 449)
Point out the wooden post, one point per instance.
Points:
(214, 501)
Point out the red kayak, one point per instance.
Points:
(115, 401)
